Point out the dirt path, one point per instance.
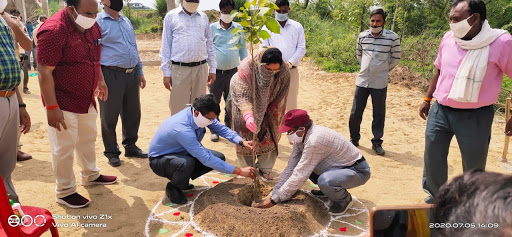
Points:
(396, 177)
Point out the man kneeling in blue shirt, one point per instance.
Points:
(177, 154)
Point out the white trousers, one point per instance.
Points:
(80, 136)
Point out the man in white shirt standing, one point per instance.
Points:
(187, 44)
(292, 43)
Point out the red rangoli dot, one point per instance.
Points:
(189, 234)
(215, 182)
(344, 229)
(177, 213)
(190, 195)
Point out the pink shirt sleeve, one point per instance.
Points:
(437, 62)
(505, 61)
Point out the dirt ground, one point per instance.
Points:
(123, 209)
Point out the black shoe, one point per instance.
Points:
(318, 193)
(378, 149)
(189, 187)
(355, 143)
(136, 152)
(175, 194)
(114, 161)
(339, 208)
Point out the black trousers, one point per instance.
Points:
(379, 113)
(123, 99)
(220, 89)
(179, 168)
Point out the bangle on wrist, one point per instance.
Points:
(50, 107)
(273, 202)
(427, 99)
(239, 171)
(23, 105)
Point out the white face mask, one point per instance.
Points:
(191, 7)
(294, 138)
(201, 121)
(226, 18)
(376, 30)
(281, 17)
(461, 28)
(84, 22)
(3, 4)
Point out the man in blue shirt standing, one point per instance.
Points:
(176, 152)
(227, 57)
(122, 69)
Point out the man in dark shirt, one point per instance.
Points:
(70, 77)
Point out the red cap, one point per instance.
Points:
(294, 118)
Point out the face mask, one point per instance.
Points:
(281, 17)
(294, 138)
(84, 22)
(116, 5)
(265, 73)
(226, 18)
(201, 121)
(376, 30)
(461, 28)
(191, 7)
(3, 4)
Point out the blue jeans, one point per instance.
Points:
(471, 127)
(335, 182)
(179, 168)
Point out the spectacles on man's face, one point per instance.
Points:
(292, 131)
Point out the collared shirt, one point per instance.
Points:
(377, 57)
(449, 59)
(323, 149)
(186, 38)
(227, 57)
(10, 71)
(291, 41)
(119, 47)
(76, 58)
(179, 134)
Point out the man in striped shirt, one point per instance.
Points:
(325, 157)
(378, 51)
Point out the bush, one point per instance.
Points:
(154, 28)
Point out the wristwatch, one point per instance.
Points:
(272, 201)
(241, 143)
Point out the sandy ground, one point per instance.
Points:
(125, 207)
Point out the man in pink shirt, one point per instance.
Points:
(470, 65)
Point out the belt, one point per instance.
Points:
(193, 64)
(7, 94)
(359, 161)
(294, 67)
(119, 69)
(226, 71)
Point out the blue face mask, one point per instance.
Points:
(281, 17)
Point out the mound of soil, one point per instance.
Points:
(225, 211)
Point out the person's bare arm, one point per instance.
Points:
(22, 38)
(46, 82)
(25, 123)
(425, 107)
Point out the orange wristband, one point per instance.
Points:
(50, 107)
(427, 99)
(239, 171)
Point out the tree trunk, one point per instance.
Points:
(171, 4)
(46, 11)
(404, 20)
(394, 16)
(363, 7)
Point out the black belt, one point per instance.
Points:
(119, 69)
(294, 67)
(359, 161)
(226, 71)
(193, 64)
